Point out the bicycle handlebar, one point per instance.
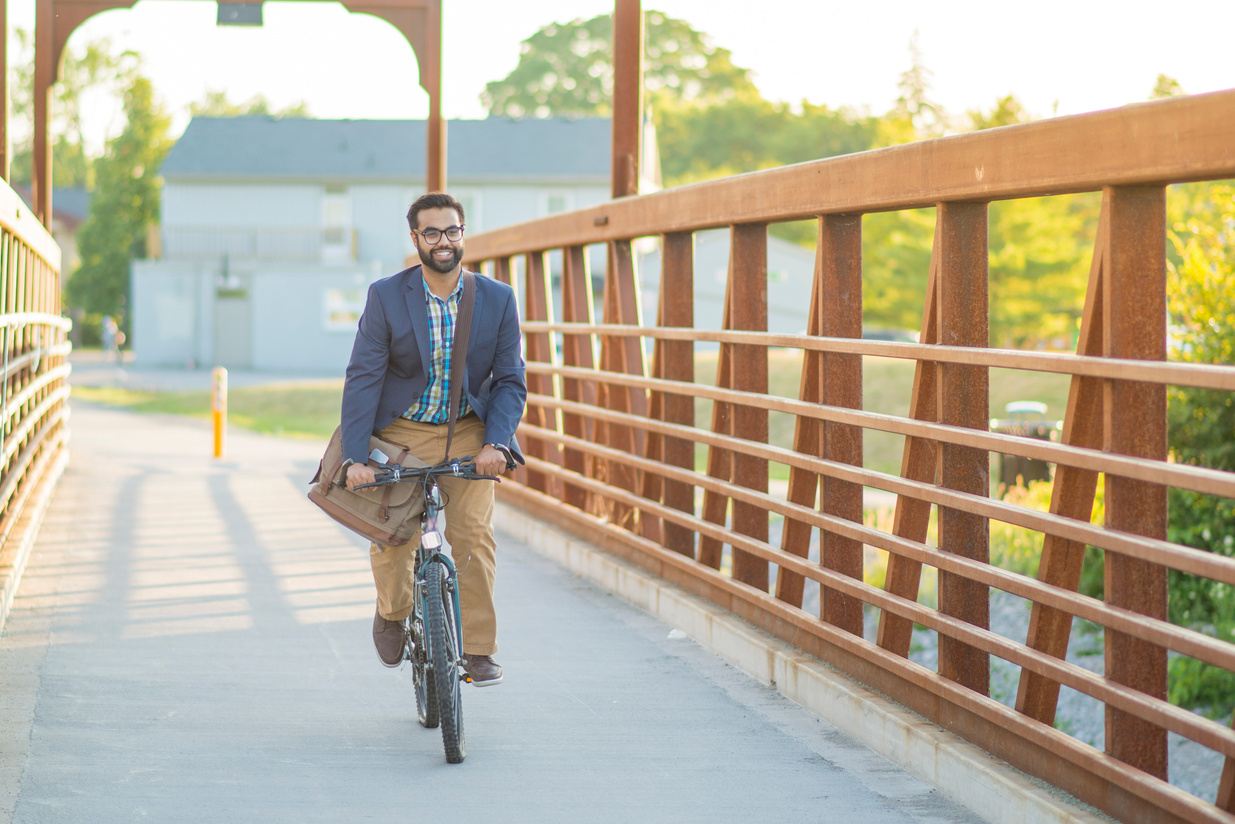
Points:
(455, 468)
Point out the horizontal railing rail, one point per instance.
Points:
(686, 476)
(1199, 375)
(1183, 476)
(34, 390)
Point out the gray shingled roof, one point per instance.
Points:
(70, 202)
(295, 148)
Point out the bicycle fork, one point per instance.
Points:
(431, 541)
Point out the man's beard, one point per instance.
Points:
(442, 267)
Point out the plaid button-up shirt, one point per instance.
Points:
(433, 406)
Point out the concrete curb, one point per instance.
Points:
(991, 788)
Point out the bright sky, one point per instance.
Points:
(1069, 57)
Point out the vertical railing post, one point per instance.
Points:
(622, 354)
(964, 400)
(627, 96)
(538, 348)
(44, 76)
(1134, 300)
(803, 488)
(719, 459)
(4, 93)
(674, 360)
(834, 379)
(840, 256)
(748, 277)
(577, 351)
(919, 462)
(503, 272)
(435, 162)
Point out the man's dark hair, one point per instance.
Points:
(433, 200)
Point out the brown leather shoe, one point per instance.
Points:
(482, 670)
(388, 638)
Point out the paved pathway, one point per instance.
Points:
(191, 644)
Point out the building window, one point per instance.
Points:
(472, 209)
(336, 237)
(553, 202)
(336, 208)
(342, 309)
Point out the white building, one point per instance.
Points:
(791, 270)
(272, 229)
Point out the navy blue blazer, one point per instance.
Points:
(389, 368)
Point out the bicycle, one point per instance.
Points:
(433, 633)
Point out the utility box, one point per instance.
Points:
(1028, 420)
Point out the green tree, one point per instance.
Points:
(1007, 112)
(566, 69)
(1040, 253)
(1201, 294)
(896, 260)
(124, 205)
(91, 70)
(819, 131)
(1201, 303)
(914, 102)
(700, 143)
(1166, 87)
(216, 104)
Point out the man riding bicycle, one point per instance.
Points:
(397, 386)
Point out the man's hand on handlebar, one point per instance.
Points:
(358, 474)
(490, 461)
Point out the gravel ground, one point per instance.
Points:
(1192, 767)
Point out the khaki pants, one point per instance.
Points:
(469, 530)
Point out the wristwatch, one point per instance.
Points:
(505, 450)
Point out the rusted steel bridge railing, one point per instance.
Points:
(611, 441)
(34, 389)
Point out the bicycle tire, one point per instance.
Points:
(442, 636)
(424, 686)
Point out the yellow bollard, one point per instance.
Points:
(218, 407)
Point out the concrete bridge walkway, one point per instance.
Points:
(191, 643)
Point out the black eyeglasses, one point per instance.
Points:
(432, 236)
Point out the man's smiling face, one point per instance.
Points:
(446, 254)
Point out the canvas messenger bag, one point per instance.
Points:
(384, 514)
(390, 514)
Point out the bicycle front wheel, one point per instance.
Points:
(443, 641)
(422, 679)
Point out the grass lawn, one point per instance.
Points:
(311, 409)
(308, 410)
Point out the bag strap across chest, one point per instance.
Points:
(458, 352)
